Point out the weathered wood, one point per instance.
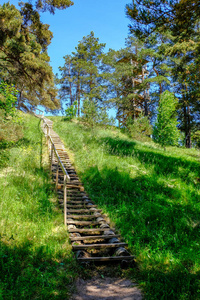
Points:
(96, 246)
(77, 201)
(94, 237)
(82, 216)
(85, 230)
(80, 206)
(65, 200)
(83, 210)
(79, 211)
(82, 223)
(60, 186)
(110, 258)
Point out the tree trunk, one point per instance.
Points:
(187, 125)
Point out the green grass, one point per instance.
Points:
(153, 197)
(36, 258)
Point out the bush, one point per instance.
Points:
(165, 130)
(7, 98)
(71, 112)
(92, 114)
(140, 128)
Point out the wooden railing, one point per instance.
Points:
(53, 151)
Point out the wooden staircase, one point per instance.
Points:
(92, 237)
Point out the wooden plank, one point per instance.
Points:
(98, 246)
(111, 258)
(82, 216)
(80, 187)
(82, 223)
(83, 210)
(78, 196)
(80, 206)
(94, 237)
(85, 230)
(77, 202)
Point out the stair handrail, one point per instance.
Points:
(66, 175)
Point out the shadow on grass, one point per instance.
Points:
(162, 162)
(162, 232)
(31, 273)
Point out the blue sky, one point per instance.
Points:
(105, 17)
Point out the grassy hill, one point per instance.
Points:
(153, 197)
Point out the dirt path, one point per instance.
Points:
(106, 288)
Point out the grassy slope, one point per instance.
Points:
(36, 260)
(153, 196)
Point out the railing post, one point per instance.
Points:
(48, 137)
(57, 169)
(51, 159)
(65, 200)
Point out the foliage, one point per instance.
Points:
(149, 16)
(24, 61)
(126, 81)
(92, 114)
(152, 197)
(170, 32)
(81, 76)
(71, 112)
(196, 138)
(140, 128)
(165, 131)
(7, 98)
(51, 5)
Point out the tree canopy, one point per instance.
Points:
(24, 60)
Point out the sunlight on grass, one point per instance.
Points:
(152, 196)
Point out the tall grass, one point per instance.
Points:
(36, 259)
(153, 197)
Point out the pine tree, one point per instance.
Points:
(127, 81)
(81, 75)
(24, 60)
(165, 131)
(177, 25)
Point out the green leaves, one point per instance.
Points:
(165, 130)
(7, 98)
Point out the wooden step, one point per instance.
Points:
(83, 210)
(77, 202)
(80, 206)
(110, 258)
(82, 223)
(82, 216)
(94, 237)
(97, 246)
(85, 230)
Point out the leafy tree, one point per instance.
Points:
(165, 131)
(10, 125)
(140, 128)
(71, 111)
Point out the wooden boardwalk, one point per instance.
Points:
(90, 233)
